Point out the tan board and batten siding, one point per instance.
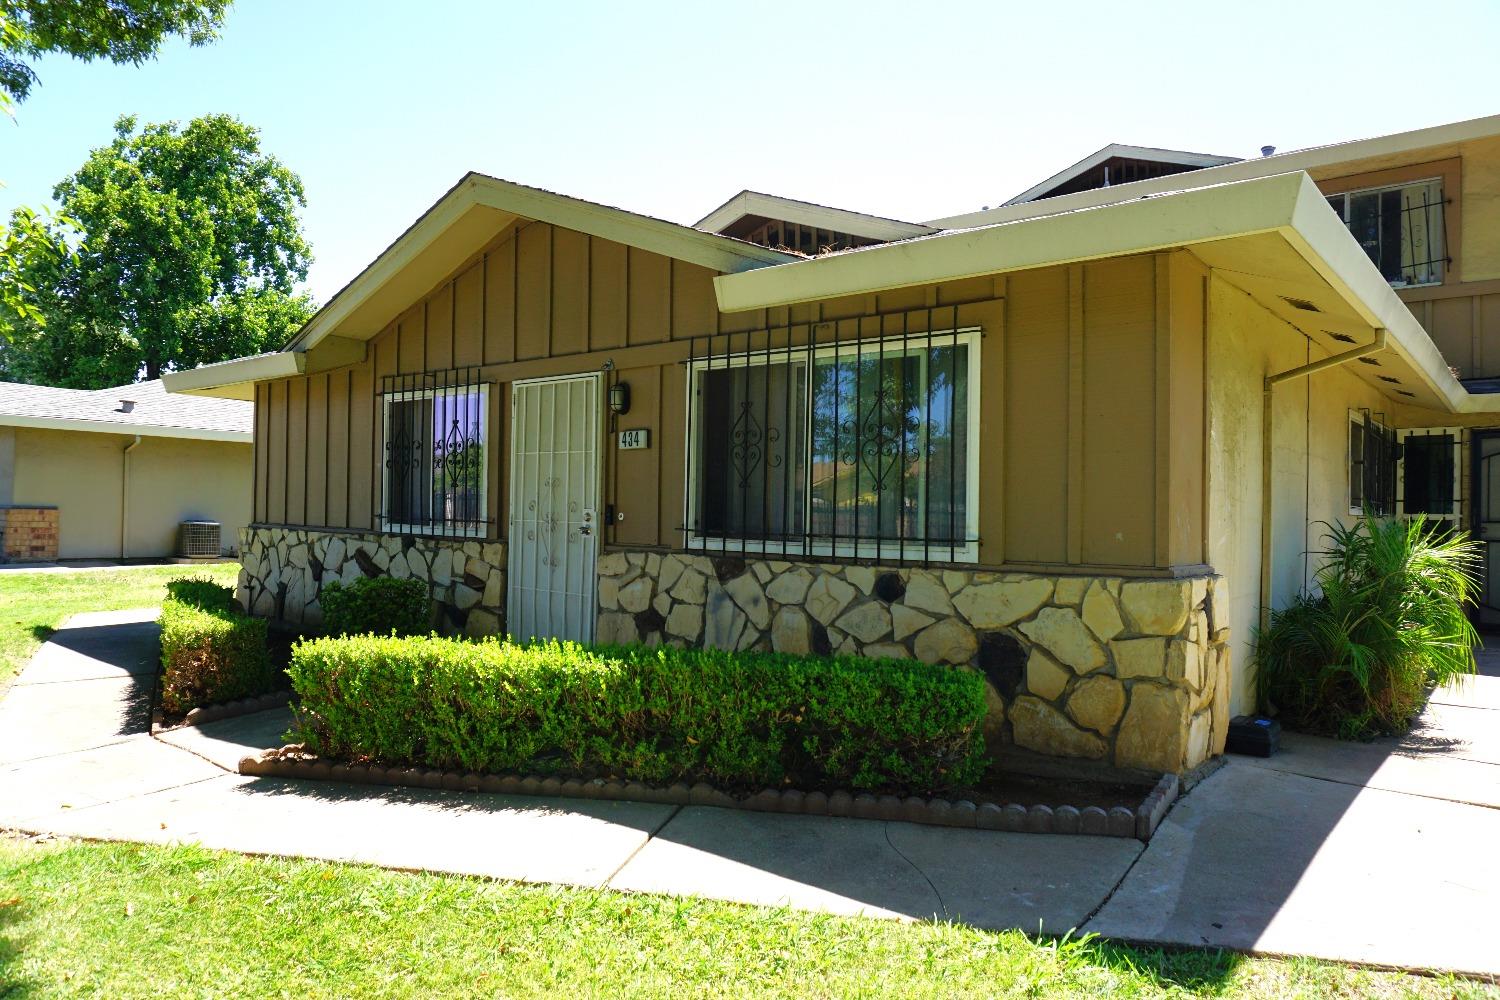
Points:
(1091, 390)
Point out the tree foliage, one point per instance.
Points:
(121, 31)
(174, 247)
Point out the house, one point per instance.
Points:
(111, 473)
(1081, 442)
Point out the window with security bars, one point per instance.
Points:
(856, 448)
(436, 453)
(1401, 229)
(1372, 467)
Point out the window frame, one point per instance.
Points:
(968, 338)
(479, 526)
(1456, 433)
(1367, 421)
(1444, 261)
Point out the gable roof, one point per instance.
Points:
(770, 206)
(470, 214)
(1151, 154)
(457, 226)
(154, 413)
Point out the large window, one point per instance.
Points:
(436, 454)
(1400, 228)
(851, 449)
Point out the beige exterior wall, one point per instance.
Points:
(1091, 403)
(1310, 424)
(171, 480)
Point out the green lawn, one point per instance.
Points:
(118, 920)
(33, 604)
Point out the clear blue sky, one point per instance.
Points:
(912, 110)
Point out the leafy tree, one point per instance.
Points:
(174, 247)
(122, 31)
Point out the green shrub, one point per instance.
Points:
(201, 592)
(210, 652)
(376, 606)
(738, 720)
(1355, 659)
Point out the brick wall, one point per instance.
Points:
(30, 533)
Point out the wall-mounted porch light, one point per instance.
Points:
(619, 398)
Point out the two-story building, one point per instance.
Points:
(1079, 442)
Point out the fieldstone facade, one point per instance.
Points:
(283, 572)
(1129, 672)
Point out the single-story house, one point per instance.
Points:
(1081, 442)
(112, 473)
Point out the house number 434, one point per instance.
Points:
(631, 440)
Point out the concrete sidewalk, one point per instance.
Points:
(1367, 853)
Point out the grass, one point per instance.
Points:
(120, 920)
(33, 605)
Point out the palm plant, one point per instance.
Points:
(1386, 621)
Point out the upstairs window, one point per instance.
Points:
(864, 448)
(436, 467)
(1400, 228)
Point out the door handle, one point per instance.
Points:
(587, 527)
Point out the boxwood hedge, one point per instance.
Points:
(210, 652)
(377, 605)
(736, 720)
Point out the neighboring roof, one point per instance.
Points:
(155, 413)
(770, 206)
(1274, 237)
(1264, 166)
(1114, 150)
(452, 231)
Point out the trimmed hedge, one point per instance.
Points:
(210, 652)
(379, 605)
(736, 720)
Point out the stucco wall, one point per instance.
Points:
(171, 480)
(1310, 472)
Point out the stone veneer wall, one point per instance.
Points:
(1130, 672)
(283, 572)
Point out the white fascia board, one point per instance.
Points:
(1114, 149)
(256, 368)
(111, 427)
(1132, 227)
(806, 213)
(1280, 163)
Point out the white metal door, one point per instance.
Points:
(554, 489)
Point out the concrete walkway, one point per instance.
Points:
(1372, 853)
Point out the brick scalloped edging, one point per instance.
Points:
(224, 710)
(1119, 821)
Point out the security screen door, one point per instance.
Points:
(554, 489)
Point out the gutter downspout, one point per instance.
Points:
(125, 495)
(1267, 443)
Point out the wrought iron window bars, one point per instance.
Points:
(436, 453)
(803, 441)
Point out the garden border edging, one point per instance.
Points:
(1119, 821)
(224, 710)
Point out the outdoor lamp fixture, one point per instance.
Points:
(619, 397)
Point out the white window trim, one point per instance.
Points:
(1438, 180)
(431, 530)
(1457, 434)
(967, 337)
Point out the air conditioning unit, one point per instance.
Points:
(198, 540)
